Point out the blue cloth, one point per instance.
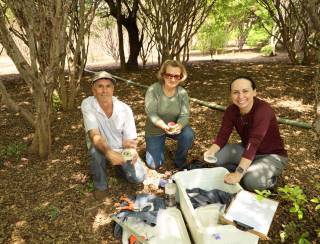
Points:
(203, 197)
(146, 213)
(133, 173)
(155, 148)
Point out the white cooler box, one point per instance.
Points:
(203, 221)
(170, 228)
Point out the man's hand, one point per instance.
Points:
(114, 157)
(232, 178)
(135, 156)
(129, 143)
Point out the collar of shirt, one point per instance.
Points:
(99, 109)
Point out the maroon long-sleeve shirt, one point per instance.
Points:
(258, 130)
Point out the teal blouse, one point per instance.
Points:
(170, 109)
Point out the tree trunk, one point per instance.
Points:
(41, 143)
(120, 36)
(135, 44)
(316, 122)
(274, 39)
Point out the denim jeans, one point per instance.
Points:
(155, 148)
(134, 173)
(261, 174)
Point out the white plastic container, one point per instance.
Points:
(170, 228)
(203, 221)
(170, 190)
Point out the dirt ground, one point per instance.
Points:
(51, 202)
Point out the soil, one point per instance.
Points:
(52, 201)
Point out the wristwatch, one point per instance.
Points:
(240, 170)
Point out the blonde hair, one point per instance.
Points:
(172, 63)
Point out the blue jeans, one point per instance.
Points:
(134, 173)
(155, 148)
(261, 174)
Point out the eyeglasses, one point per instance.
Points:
(171, 76)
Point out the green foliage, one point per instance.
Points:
(53, 213)
(242, 18)
(56, 101)
(259, 34)
(303, 238)
(291, 232)
(90, 186)
(297, 198)
(316, 200)
(262, 194)
(13, 150)
(257, 37)
(80, 190)
(211, 38)
(266, 50)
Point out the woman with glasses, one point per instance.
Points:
(167, 109)
(259, 159)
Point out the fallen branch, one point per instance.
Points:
(219, 107)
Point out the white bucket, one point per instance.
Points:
(203, 222)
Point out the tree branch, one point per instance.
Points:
(12, 105)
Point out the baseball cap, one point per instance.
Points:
(102, 75)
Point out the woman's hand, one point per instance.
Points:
(174, 130)
(232, 178)
(211, 151)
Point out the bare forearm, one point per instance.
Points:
(213, 149)
(245, 163)
(100, 144)
(161, 124)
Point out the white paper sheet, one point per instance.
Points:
(247, 209)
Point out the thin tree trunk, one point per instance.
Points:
(41, 143)
(316, 122)
(134, 43)
(120, 36)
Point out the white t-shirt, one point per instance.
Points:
(114, 130)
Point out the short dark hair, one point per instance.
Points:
(252, 82)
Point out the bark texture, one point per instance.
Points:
(41, 26)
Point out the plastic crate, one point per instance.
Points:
(170, 229)
(203, 222)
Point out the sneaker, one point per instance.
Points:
(99, 195)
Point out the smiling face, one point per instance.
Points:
(242, 95)
(103, 90)
(172, 77)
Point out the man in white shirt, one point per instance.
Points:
(110, 128)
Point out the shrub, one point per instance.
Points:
(267, 51)
(13, 150)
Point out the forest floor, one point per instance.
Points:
(52, 202)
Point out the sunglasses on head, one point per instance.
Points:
(171, 76)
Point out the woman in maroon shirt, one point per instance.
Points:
(260, 157)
